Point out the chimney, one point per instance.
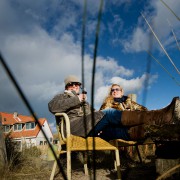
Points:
(15, 115)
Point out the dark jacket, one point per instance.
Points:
(70, 104)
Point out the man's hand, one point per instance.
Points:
(82, 97)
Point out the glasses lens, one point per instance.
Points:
(74, 84)
(117, 89)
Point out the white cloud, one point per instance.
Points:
(158, 19)
(44, 91)
(53, 127)
(110, 65)
(138, 41)
(101, 93)
(135, 84)
(163, 14)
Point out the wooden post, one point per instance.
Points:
(3, 154)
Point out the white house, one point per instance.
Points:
(25, 130)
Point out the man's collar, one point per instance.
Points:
(71, 93)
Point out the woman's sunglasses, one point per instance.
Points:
(117, 89)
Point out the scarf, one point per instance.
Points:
(120, 100)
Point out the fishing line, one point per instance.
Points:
(170, 10)
(173, 78)
(160, 44)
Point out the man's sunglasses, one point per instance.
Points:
(74, 84)
(117, 89)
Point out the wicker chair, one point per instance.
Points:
(76, 143)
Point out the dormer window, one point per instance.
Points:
(17, 127)
(7, 128)
(30, 125)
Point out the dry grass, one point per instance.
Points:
(24, 165)
(28, 164)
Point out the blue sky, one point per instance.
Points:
(41, 43)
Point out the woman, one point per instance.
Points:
(117, 100)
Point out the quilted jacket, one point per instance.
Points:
(69, 103)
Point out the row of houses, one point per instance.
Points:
(24, 130)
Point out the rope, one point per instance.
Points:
(173, 78)
(174, 35)
(160, 44)
(170, 10)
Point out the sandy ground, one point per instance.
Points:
(105, 171)
(144, 172)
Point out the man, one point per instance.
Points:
(109, 123)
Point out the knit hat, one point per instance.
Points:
(71, 78)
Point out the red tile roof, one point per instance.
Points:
(10, 119)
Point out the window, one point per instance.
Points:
(55, 141)
(30, 125)
(17, 127)
(41, 143)
(7, 128)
